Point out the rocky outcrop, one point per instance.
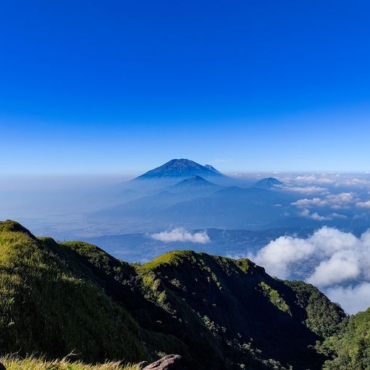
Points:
(142, 364)
(170, 362)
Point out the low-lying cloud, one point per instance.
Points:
(352, 299)
(307, 189)
(336, 201)
(363, 204)
(316, 216)
(335, 261)
(181, 235)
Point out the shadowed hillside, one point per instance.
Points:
(216, 312)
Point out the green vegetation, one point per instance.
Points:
(46, 309)
(225, 303)
(215, 312)
(351, 346)
(323, 317)
(274, 297)
(32, 363)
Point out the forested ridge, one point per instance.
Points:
(216, 312)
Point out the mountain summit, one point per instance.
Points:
(181, 168)
(268, 183)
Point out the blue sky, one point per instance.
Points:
(89, 87)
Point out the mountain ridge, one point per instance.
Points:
(205, 308)
(195, 182)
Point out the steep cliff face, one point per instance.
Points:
(214, 311)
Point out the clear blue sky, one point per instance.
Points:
(126, 85)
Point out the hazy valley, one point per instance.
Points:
(184, 205)
(177, 270)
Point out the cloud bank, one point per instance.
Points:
(181, 235)
(335, 201)
(335, 261)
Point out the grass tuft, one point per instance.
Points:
(13, 362)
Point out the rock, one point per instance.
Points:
(140, 365)
(2, 367)
(170, 362)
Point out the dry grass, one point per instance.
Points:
(33, 363)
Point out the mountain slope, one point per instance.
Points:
(199, 205)
(216, 312)
(267, 183)
(232, 207)
(236, 301)
(351, 347)
(180, 168)
(46, 308)
(195, 183)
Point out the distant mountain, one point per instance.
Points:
(267, 183)
(154, 207)
(232, 207)
(180, 168)
(217, 313)
(212, 168)
(195, 183)
(197, 203)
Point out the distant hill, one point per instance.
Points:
(180, 168)
(216, 312)
(197, 202)
(232, 207)
(195, 183)
(267, 183)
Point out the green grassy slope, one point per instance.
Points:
(216, 312)
(47, 309)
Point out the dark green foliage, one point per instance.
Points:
(351, 346)
(323, 317)
(251, 317)
(45, 309)
(216, 312)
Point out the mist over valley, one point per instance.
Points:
(185, 205)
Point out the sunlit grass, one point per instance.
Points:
(33, 363)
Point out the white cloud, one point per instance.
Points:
(337, 269)
(364, 182)
(335, 201)
(317, 217)
(363, 204)
(359, 181)
(328, 240)
(352, 299)
(329, 257)
(278, 254)
(307, 189)
(338, 215)
(181, 235)
(341, 200)
(306, 178)
(314, 216)
(323, 179)
(307, 202)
